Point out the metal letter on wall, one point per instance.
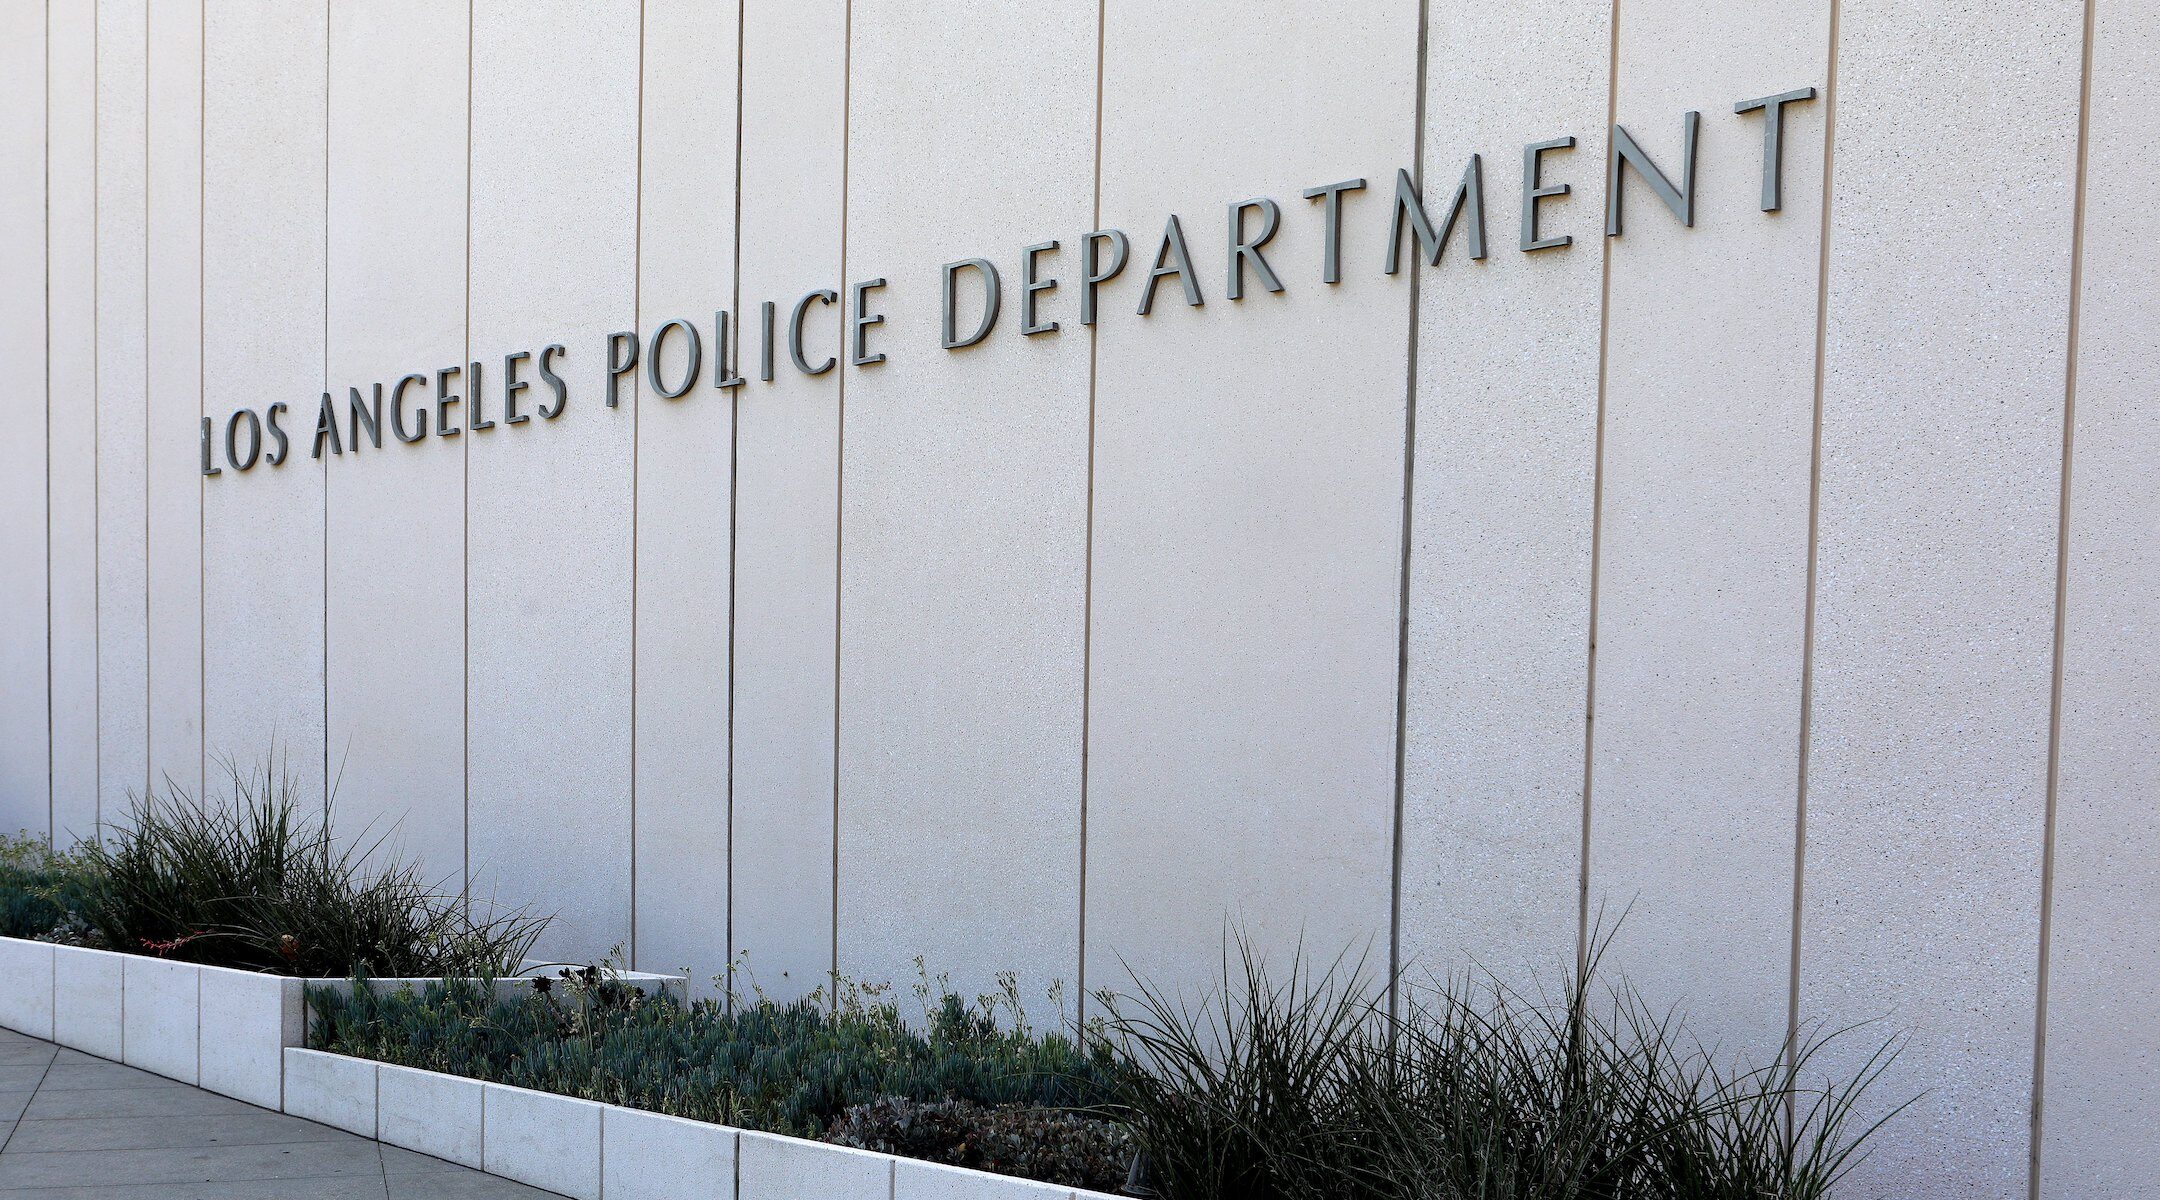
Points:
(1171, 258)
(827, 297)
(992, 298)
(1536, 191)
(1626, 151)
(1773, 151)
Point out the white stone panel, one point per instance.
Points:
(174, 340)
(933, 1181)
(263, 286)
(550, 1142)
(26, 987)
(159, 1015)
(331, 1089)
(1702, 574)
(397, 514)
(652, 1156)
(123, 608)
(1501, 498)
(71, 348)
(771, 1167)
(248, 1021)
(1943, 369)
(86, 1001)
(2103, 987)
(549, 603)
(685, 465)
(431, 1113)
(963, 558)
(787, 495)
(25, 774)
(1248, 495)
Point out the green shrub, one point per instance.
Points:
(1031, 1142)
(1306, 1086)
(41, 892)
(795, 1068)
(250, 882)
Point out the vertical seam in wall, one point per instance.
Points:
(2062, 605)
(1597, 514)
(1814, 528)
(326, 392)
(847, 80)
(734, 484)
(202, 394)
(52, 815)
(1409, 495)
(465, 484)
(1087, 570)
(637, 394)
(97, 475)
(148, 557)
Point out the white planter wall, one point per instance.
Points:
(551, 1142)
(87, 1001)
(221, 1029)
(647, 1156)
(598, 1151)
(431, 1113)
(161, 1017)
(26, 987)
(240, 1034)
(331, 1089)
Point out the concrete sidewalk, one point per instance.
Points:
(73, 1127)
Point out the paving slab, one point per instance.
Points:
(76, 1127)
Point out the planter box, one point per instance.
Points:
(213, 1027)
(607, 1152)
(240, 1033)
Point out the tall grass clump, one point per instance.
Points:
(255, 881)
(970, 1083)
(1303, 1084)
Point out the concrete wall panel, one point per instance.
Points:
(123, 625)
(1936, 559)
(685, 452)
(1501, 499)
(2103, 986)
(174, 342)
(25, 774)
(71, 347)
(263, 318)
(964, 502)
(787, 495)
(395, 631)
(555, 134)
(1702, 575)
(1248, 495)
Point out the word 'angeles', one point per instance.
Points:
(416, 410)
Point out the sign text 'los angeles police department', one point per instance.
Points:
(529, 385)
